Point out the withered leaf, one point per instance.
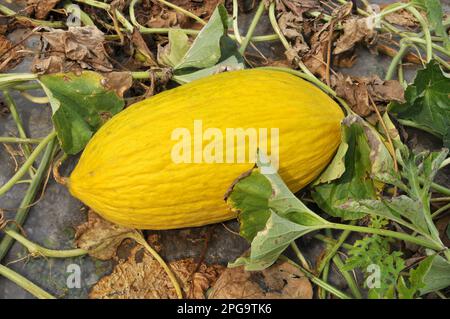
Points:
(355, 31)
(298, 7)
(141, 277)
(315, 59)
(10, 54)
(291, 26)
(41, 8)
(119, 82)
(280, 281)
(100, 237)
(356, 91)
(72, 50)
(344, 60)
(164, 17)
(443, 225)
(142, 49)
(402, 18)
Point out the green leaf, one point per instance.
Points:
(426, 105)
(402, 209)
(80, 105)
(417, 276)
(366, 160)
(250, 197)
(435, 16)
(374, 253)
(257, 195)
(211, 52)
(429, 167)
(270, 216)
(438, 275)
(205, 51)
(176, 50)
(336, 168)
(269, 243)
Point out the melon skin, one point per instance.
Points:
(126, 172)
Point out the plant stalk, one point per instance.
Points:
(22, 170)
(389, 233)
(317, 281)
(251, 28)
(37, 250)
(25, 283)
(29, 197)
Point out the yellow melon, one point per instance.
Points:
(136, 171)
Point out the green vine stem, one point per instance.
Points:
(383, 232)
(251, 28)
(235, 21)
(425, 242)
(322, 293)
(348, 278)
(331, 241)
(426, 31)
(29, 196)
(300, 256)
(333, 250)
(276, 28)
(396, 60)
(141, 240)
(393, 8)
(15, 115)
(439, 188)
(25, 283)
(324, 285)
(6, 139)
(433, 45)
(440, 211)
(22, 170)
(37, 250)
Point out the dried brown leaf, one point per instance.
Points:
(297, 7)
(356, 30)
(142, 277)
(402, 18)
(100, 237)
(41, 8)
(316, 59)
(442, 225)
(72, 50)
(4, 24)
(10, 54)
(164, 17)
(280, 281)
(142, 49)
(356, 91)
(344, 60)
(117, 81)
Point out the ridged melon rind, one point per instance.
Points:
(126, 172)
